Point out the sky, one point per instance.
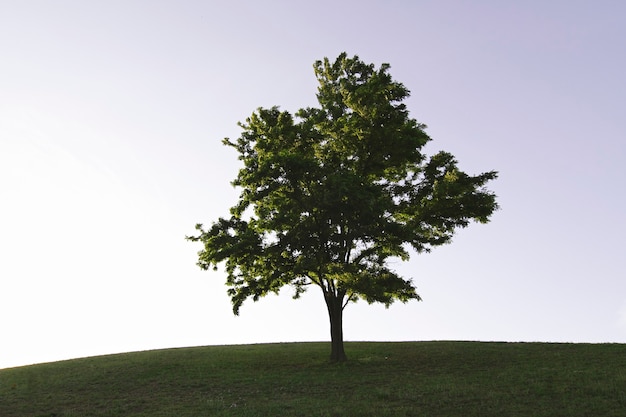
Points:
(112, 115)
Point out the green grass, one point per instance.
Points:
(380, 379)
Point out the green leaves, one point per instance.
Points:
(330, 194)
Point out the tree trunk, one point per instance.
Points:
(335, 313)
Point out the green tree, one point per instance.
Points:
(331, 194)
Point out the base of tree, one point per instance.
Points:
(338, 359)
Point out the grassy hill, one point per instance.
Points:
(381, 379)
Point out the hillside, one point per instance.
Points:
(380, 379)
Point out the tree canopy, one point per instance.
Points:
(330, 194)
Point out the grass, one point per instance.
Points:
(380, 379)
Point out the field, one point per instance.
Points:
(296, 379)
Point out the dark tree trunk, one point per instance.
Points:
(335, 313)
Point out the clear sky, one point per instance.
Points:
(111, 120)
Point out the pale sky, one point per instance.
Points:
(111, 120)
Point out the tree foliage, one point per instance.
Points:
(330, 194)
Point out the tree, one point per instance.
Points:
(331, 194)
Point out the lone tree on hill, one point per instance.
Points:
(331, 194)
